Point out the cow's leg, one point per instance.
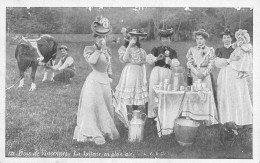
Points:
(52, 76)
(21, 83)
(45, 75)
(33, 85)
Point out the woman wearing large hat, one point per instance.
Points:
(234, 103)
(163, 58)
(201, 60)
(95, 118)
(132, 87)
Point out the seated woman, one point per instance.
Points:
(95, 118)
(201, 60)
(164, 58)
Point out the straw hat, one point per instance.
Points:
(101, 26)
(201, 32)
(138, 32)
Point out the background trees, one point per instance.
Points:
(78, 20)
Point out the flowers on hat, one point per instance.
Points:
(101, 26)
(102, 21)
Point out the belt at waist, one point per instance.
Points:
(165, 66)
(200, 66)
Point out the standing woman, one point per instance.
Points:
(234, 102)
(95, 118)
(132, 87)
(164, 58)
(201, 60)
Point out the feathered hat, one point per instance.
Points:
(226, 32)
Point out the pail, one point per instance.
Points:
(185, 131)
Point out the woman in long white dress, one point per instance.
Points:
(132, 87)
(95, 118)
(234, 102)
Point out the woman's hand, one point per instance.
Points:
(132, 42)
(160, 57)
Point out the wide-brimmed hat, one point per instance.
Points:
(226, 32)
(101, 26)
(165, 32)
(138, 32)
(64, 47)
(242, 33)
(201, 32)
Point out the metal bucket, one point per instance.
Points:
(185, 131)
(136, 126)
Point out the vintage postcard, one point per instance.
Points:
(157, 81)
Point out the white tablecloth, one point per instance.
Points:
(196, 105)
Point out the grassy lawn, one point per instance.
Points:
(44, 120)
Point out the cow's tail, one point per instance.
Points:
(54, 49)
(17, 51)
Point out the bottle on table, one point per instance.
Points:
(189, 80)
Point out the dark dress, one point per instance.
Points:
(160, 72)
(224, 52)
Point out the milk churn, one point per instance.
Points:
(136, 126)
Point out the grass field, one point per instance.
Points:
(41, 123)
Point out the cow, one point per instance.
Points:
(34, 52)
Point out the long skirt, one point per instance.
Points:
(95, 118)
(234, 102)
(131, 89)
(158, 74)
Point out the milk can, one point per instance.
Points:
(136, 126)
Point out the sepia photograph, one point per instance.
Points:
(129, 82)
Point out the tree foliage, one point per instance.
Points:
(78, 20)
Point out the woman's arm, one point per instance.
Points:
(210, 65)
(190, 63)
(123, 54)
(91, 54)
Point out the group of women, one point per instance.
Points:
(95, 118)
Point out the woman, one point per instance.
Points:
(132, 87)
(201, 60)
(234, 102)
(164, 58)
(95, 118)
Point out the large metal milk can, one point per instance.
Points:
(136, 126)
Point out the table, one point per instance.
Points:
(196, 105)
